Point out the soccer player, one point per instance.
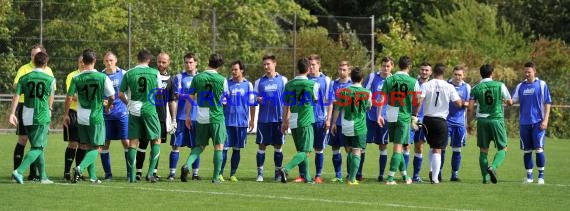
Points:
(299, 97)
(456, 120)
(269, 89)
(375, 133)
(206, 91)
(117, 120)
(238, 109)
(352, 106)
(91, 88)
(337, 140)
(402, 94)
(140, 82)
(165, 102)
(489, 95)
(438, 94)
(534, 98)
(184, 136)
(71, 132)
(38, 87)
(21, 131)
(323, 112)
(419, 137)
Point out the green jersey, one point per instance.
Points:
(91, 87)
(37, 86)
(353, 103)
(300, 94)
(490, 95)
(140, 84)
(401, 91)
(209, 87)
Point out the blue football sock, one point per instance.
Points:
(455, 162)
(417, 163)
(196, 164)
(540, 163)
(337, 163)
(260, 158)
(235, 161)
(527, 158)
(224, 160)
(442, 161)
(383, 160)
(406, 155)
(319, 162)
(106, 161)
(278, 158)
(174, 156)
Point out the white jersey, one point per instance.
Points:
(438, 94)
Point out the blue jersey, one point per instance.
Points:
(320, 108)
(119, 109)
(270, 89)
(532, 97)
(456, 116)
(374, 82)
(236, 110)
(421, 111)
(182, 83)
(336, 85)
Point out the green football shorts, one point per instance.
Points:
(491, 130)
(399, 132)
(37, 135)
(144, 127)
(93, 135)
(216, 131)
(303, 138)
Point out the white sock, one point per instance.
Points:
(430, 158)
(434, 165)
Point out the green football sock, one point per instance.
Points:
(499, 158)
(154, 155)
(402, 166)
(131, 160)
(354, 165)
(395, 161)
(194, 154)
(307, 169)
(30, 157)
(92, 172)
(218, 158)
(483, 164)
(42, 165)
(295, 161)
(89, 159)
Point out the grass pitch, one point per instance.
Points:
(509, 194)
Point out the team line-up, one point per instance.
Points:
(114, 104)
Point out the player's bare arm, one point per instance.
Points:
(189, 111)
(334, 118)
(251, 118)
(544, 123)
(13, 119)
(123, 98)
(285, 122)
(68, 100)
(470, 110)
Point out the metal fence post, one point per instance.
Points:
(41, 22)
(214, 30)
(294, 45)
(130, 35)
(372, 52)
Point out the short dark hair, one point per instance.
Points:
(144, 55)
(459, 67)
(190, 56)
(439, 69)
(387, 59)
(40, 46)
(315, 57)
(303, 65)
(426, 64)
(269, 56)
(215, 61)
(89, 56)
(405, 62)
(486, 70)
(531, 65)
(240, 64)
(40, 59)
(356, 74)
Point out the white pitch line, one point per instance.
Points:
(276, 197)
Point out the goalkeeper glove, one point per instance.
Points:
(414, 124)
(173, 126)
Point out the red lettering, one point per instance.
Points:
(376, 102)
(343, 95)
(361, 96)
(415, 97)
(397, 96)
